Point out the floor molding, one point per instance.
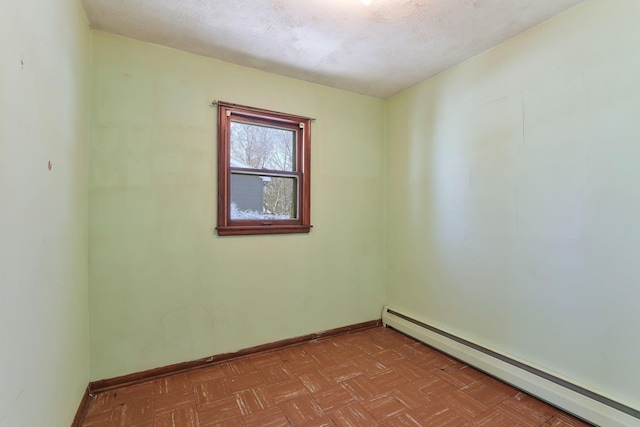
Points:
(151, 374)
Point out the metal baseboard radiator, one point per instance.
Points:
(579, 401)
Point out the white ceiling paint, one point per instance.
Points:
(378, 50)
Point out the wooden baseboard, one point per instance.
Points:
(151, 374)
(82, 409)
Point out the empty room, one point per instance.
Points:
(319, 213)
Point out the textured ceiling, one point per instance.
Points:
(378, 50)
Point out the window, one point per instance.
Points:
(263, 171)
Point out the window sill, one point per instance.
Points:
(246, 230)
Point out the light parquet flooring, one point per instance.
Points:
(376, 377)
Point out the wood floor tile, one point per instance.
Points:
(455, 377)
(167, 402)
(431, 365)
(209, 373)
(301, 409)
(231, 422)
(285, 390)
(404, 420)
(101, 402)
(424, 350)
(343, 342)
(410, 396)
(184, 417)
(134, 392)
(349, 353)
(302, 365)
(410, 352)
(218, 411)
(387, 380)
(484, 393)
(361, 388)
(272, 417)
(434, 387)
(437, 413)
(563, 420)
(251, 401)
(98, 419)
(519, 413)
(403, 339)
(295, 353)
(389, 356)
(325, 421)
(326, 359)
(264, 360)
(569, 420)
(172, 384)
(321, 346)
(409, 370)
(246, 381)
(138, 412)
(209, 391)
(368, 365)
(464, 404)
(535, 404)
(275, 373)
(475, 374)
(384, 407)
(353, 415)
(453, 363)
(333, 399)
(238, 367)
(370, 346)
(503, 387)
(377, 377)
(491, 418)
(317, 381)
(343, 372)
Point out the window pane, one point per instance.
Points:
(263, 197)
(262, 147)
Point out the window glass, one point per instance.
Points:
(262, 147)
(263, 197)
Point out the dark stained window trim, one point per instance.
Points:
(225, 225)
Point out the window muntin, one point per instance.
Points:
(263, 171)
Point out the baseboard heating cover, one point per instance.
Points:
(579, 401)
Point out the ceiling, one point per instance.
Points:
(377, 50)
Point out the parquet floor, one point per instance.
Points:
(376, 377)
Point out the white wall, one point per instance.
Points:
(43, 213)
(164, 287)
(514, 198)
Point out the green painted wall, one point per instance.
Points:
(164, 287)
(513, 198)
(44, 87)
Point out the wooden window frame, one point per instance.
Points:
(234, 227)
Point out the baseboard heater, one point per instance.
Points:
(579, 401)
